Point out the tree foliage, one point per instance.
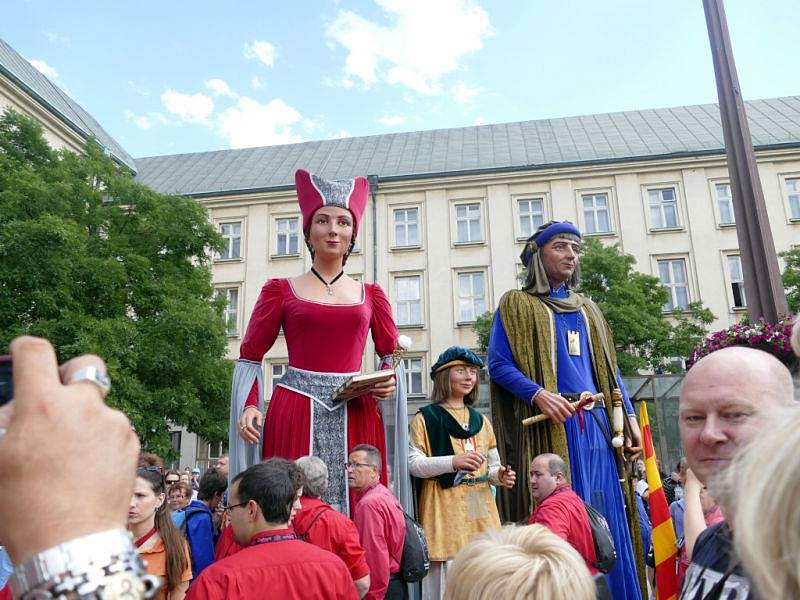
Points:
(791, 278)
(645, 337)
(98, 263)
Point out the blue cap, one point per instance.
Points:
(195, 470)
(544, 236)
(455, 355)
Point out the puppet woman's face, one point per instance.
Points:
(331, 231)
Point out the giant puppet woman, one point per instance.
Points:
(325, 316)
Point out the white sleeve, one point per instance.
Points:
(427, 467)
(494, 466)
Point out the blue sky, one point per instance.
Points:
(176, 76)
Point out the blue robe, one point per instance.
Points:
(592, 461)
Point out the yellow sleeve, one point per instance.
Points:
(419, 434)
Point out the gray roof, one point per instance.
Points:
(525, 145)
(25, 75)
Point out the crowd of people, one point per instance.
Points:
(316, 501)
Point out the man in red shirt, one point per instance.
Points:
(559, 508)
(317, 523)
(381, 525)
(274, 563)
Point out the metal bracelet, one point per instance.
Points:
(101, 566)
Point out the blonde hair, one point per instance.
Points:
(762, 485)
(519, 562)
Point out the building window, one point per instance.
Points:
(737, 281)
(471, 296)
(208, 453)
(287, 238)
(277, 370)
(663, 209)
(232, 234)
(673, 276)
(595, 213)
(468, 223)
(406, 227)
(413, 367)
(231, 313)
(725, 203)
(407, 300)
(531, 216)
(793, 192)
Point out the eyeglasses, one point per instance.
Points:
(230, 507)
(352, 465)
(171, 481)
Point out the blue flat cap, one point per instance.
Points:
(455, 355)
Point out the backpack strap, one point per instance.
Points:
(317, 515)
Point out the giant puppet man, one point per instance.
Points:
(548, 343)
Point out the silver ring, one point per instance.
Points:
(243, 427)
(93, 375)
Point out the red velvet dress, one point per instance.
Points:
(323, 338)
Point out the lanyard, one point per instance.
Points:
(138, 543)
(268, 539)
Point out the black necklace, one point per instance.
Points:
(325, 283)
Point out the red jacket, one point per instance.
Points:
(564, 513)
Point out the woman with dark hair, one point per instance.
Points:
(454, 452)
(157, 540)
(325, 317)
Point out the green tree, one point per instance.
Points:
(645, 337)
(96, 262)
(791, 278)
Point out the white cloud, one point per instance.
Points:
(258, 82)
(463, 93)
(221, 88)
(145, 121)
(54, 37)
(480, 121)
(250, 123)
(260, 50)
(139, 89)
(342, 133)
(392, 120)
(44, 68)
(425, 41)
(191, 108)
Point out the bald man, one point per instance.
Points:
(725, 403)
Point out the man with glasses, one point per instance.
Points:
(548, 345)
(273, 562)
(381, 524)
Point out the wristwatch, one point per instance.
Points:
(99, 566)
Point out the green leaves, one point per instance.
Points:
(97, 263)
(791, 278)
(646, 337)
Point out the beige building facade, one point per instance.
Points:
(446, 249)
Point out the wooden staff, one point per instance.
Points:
(586, 401)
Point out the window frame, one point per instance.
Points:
(675, 187)
(454, 220)
(785, 178)
(727, 255)
(483, 271)
(715, 185)
(277, 236)
(227, 287)
(218, 223)
(521, 236)
(608, 192)
(671, 286)
(422, 371)
(420, 299)
(394, 209)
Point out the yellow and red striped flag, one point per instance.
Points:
(665, 546)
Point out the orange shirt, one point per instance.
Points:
(155, 556)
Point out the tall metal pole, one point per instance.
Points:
(762, 279)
